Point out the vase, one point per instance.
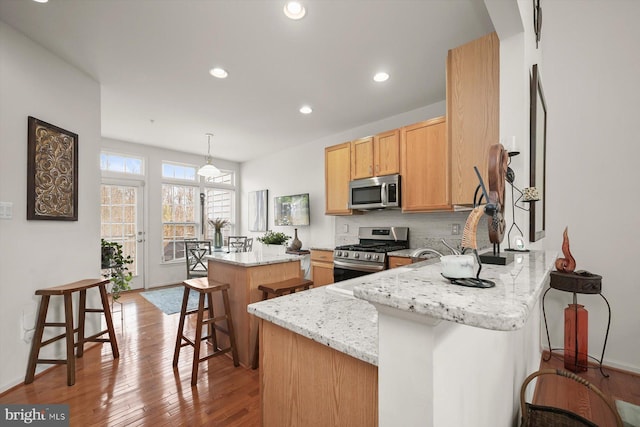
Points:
(296, 244)
(576, 338)
(217, 239)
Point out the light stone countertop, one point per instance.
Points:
(346, 324)
(350, 324)
(420, 288)
(251, 259)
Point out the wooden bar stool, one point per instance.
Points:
(205, 288)
(277, 289)
(66, 291)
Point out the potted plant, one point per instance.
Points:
(275, 239)
(115, 265)
(218, 224)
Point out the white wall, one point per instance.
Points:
(301, 170)
(40, 254)
(590, 80)
(157, 272)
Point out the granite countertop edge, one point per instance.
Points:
(251, 259)
(505, 307)
(356, 337)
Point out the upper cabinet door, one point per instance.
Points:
(337, 170)
(473, 113)
(386, 152)
(362, 158)
(424, 153)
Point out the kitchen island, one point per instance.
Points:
(445, 354)
(244, 272)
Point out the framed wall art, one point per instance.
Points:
(538, 141)
(52, 172)
(258, 210)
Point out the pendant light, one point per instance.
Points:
(208, 170)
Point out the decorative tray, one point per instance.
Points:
(471, 282)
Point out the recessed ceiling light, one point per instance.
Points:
(306, 109)
(381, 77)
(41, 1)
(220, 73)
(294, 10)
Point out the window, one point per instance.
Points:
(219, 203)
(118, 218)
(178, 171)
(226, 177)
(181, 212)
(179, 209)
(121, 163)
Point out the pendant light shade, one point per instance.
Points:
(208, 170)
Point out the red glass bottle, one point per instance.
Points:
(576, 333)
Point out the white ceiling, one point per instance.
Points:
(152, 59)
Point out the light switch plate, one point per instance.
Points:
(6, 210)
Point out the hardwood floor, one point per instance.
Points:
(558, 391)
(142, 388)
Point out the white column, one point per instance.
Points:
(405, 369)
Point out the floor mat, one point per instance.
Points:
(169, 300)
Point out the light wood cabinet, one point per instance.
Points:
(305, 383)
(362, 158)
(386, 153)
(321, 267)
(473, 113)
(399, 261)
(337, 170)
(376, 156)
(424, 154)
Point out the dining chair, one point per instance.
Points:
(237, 243)
(248, 244)
(195, 251)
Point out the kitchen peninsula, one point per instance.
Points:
(445, 354)
(244, 272)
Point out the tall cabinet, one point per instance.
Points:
(473, 112)
(424, 151)
(337, 173)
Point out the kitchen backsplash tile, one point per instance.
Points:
(425, 229)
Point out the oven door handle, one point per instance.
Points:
(369, 268)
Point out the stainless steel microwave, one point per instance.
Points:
(380, 192)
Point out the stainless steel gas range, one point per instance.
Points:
(370, 255)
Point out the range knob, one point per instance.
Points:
(368, 256)
(356, 255)
(338, 253)
(376, 257)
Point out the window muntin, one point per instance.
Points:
(121, 163)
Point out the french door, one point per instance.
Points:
(121, 221)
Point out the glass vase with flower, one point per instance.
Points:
(218, 224)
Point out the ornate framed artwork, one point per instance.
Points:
(52, 172)
(258, 210)
(538, 141)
